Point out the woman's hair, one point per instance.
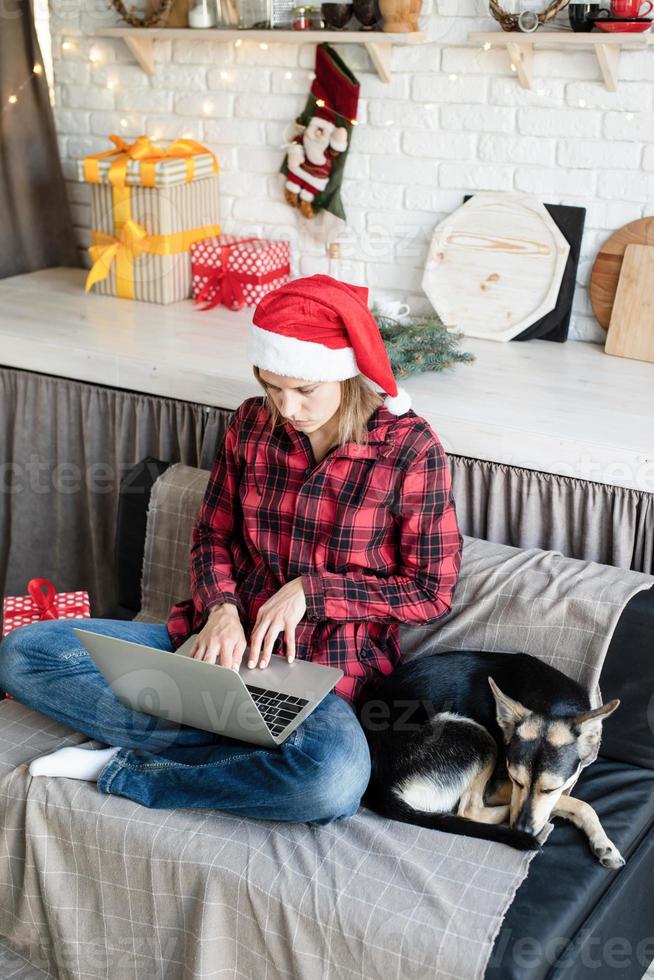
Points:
(358, 402)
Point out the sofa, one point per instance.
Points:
(564, 916)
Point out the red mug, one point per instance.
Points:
(630, 8)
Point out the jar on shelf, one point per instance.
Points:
(202, 14)
(255, 14)
(301, 19)
(282, 14)
(316, 19)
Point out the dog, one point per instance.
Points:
(467, 742)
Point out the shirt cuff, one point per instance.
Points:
(314, 596)
(223, 597)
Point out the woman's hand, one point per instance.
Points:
(222, 639)
(282, 612)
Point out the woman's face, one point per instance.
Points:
(313, 403)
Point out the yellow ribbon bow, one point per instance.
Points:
(148, 154)
(131, 241)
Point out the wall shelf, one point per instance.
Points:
(520, 48)
(378, 44)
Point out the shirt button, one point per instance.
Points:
(307, 471)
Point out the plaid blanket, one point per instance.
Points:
(98, 886)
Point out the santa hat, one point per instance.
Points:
(324, 112)
(320, 329)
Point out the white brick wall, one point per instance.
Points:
(452, 121)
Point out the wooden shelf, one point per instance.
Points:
(378, 44)
(520, 48)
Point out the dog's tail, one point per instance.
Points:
(397, 809)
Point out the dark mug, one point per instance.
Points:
(583, 15)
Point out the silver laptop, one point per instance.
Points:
(253, 705)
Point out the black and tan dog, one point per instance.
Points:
(465, 742)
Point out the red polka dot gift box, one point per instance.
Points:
(235, 272)
(42, 603)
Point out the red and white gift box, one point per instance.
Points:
(43, 602)
(237, 271)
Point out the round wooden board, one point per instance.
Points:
(606, 270)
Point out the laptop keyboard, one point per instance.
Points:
(278, 710)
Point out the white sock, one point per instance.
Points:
(73, 762)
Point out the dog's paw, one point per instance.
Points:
(608, 855)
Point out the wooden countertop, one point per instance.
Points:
(568, 409)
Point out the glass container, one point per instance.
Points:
(255, 14)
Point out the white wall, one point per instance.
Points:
(453, 120)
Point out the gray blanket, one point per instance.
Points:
(98, 886)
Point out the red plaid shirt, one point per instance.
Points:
(372, 530)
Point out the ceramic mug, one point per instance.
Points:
(582, 16)
(631, 8)
(392, 308)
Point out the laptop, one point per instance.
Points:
(259, 706)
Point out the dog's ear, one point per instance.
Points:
(589, 726)
(509, 712)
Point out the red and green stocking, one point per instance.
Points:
(315, 160)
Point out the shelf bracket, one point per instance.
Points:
(609, 62)
(380, 53)
(522, 56)
(143, 50)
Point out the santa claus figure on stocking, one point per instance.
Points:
(315, 157)
(309, 158)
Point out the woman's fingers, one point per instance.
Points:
(237, 657)
(263, 639)
(289, 635)
(268, 643)
(224, 655)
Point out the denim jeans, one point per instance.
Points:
(318, 775)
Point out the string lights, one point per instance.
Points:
(13, 97)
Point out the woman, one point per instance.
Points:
(327, 520)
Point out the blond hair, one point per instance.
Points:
(358, 402)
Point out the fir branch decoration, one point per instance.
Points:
(419, 344)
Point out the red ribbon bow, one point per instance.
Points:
(44, 601)
(224, 285)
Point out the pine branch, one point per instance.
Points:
(419, 344)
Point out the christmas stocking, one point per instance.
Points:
(315, 159)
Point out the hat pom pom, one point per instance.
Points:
(400, 404)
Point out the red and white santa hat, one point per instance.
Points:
(320, 329)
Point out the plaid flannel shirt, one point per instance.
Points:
(372, 530)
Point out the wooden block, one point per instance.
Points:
(177, 15)
(631, 330)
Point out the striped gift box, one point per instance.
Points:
(167, 173)
(148, 206)
(158, 278)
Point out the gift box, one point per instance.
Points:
(42, 603)
(237, 271)
(148, 206)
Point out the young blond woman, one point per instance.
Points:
(328, 520)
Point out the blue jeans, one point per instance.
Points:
(318, 775)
